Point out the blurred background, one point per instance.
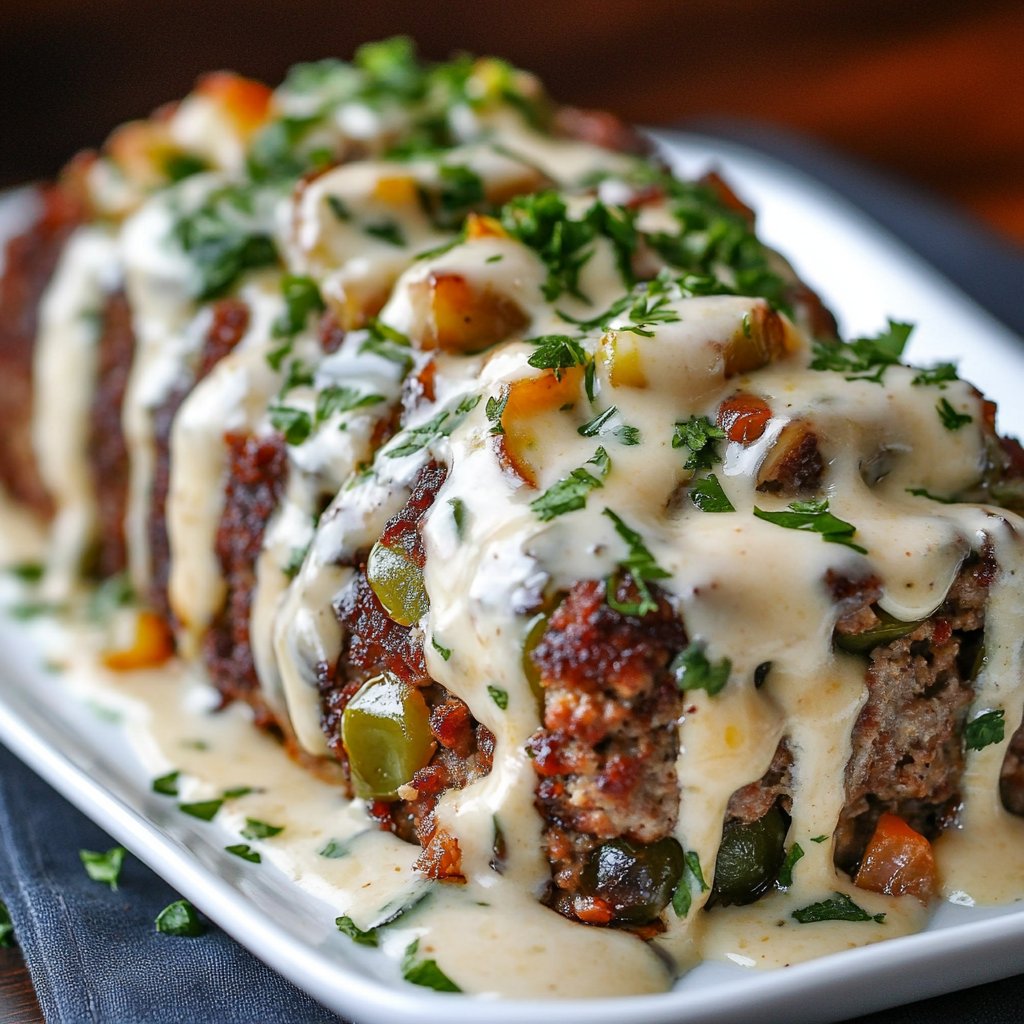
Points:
(929, 92)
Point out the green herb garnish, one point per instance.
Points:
(699, 436)
(425, 972)
(294, 424)
(682, 898)
(938, 375)
(708, 496)
(815, 517)
(338, 399)
(245, 851)
(951, 419)
(864, 358)
(693, 670)
(570, 493)
(495, 409)
(204, 810)
(104, 867)
(387, 231)
(641, 566)
(793, 854)
(838, 907)
(167, 785)
(445, 652)
(499, 696)
(556, 352)
(7, 939)
(179, 918)
(986, 729)
(348, 927)
(442, 425)
(255, 829)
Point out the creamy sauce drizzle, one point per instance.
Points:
(746, 588)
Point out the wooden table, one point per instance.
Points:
(18, 1003)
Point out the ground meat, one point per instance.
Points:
(257, 475)
(907, 744)
(1011, 782)
(794, 466)
(754, 801)
(229, 323)
(375, 644)
(600, 128)
(606, 754)
(29, 263)
(108, 452)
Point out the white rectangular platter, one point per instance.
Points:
(864, 275)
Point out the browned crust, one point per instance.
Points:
(230, 322)
(606, 754)
(29, 263)
(257, 472)
(108, 450)
(907, 748)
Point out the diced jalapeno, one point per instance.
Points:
(749, 858)
(636, 879)
(386, 732)
(398, 583)
(884, 631)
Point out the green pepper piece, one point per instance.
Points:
(884, 632)
(535, 630)
(636, 879)
(385, 729)
(749, 858)
(398, 583)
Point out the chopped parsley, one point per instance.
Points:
(557, 352)
(986, 729)
(462, 190)
(838, 907)
(938, 375)
(224, 237)
(495, 409)
(425, 972)
(335, 849)
(348, 927)
(445, 652)
(338, 398)
(298, 375)
(499, 696)
(387, 231)
(295, 559)
(167, 785)
(204, 810)
(26, 610)
(113, 593)
(255, 829)
(570, 493)
(793, 854)
(294, 424)
(7, 940)
(624, 434)
(301, 300)
(921, 492)
(682, 898)
(104, 867)
(641, 566)
(951, 419)
(699, 436)
(339, 208)
(458, 507)
(179, 166)
(815, 517)
(245, 851)
(708, 496)
(441, 425)
(864, 358)
(818, 839)
(236, 791)
(27, 572)
(386, 342)
(693, 670)
(179, 918)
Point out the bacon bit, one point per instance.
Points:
(452, 726)
(898, 861)
(726, 196)
(441, 858)
(620, 774)
(380, 811)
(245, 101)
(744, 417)
(330, 333)
(548, 757)
(592, 909)
(152, 645)
(942, 630)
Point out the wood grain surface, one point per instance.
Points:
(18, 1003)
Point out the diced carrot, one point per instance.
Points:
(744, 417)
(246, 102)
(898, 861)
(151, 646)
(396, 190)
